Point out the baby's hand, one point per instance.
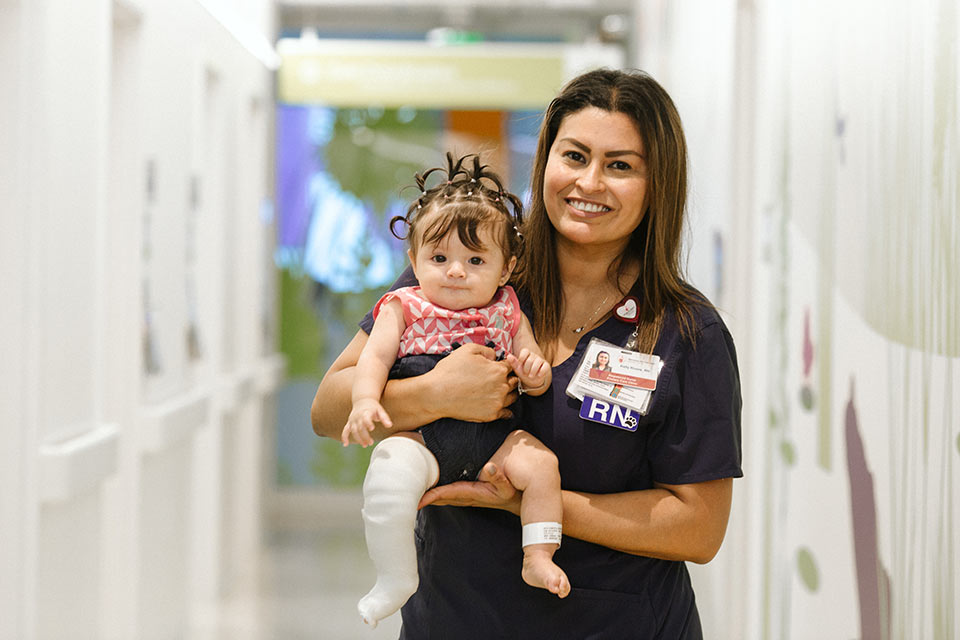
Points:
(360, 422)
(531, 368)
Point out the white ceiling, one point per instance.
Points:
(569, 21)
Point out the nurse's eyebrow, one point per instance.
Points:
(608, 154)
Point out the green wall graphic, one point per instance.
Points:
(864, 326)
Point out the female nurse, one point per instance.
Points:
(604, 228)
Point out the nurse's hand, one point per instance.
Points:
(471, 385)
(492, 490)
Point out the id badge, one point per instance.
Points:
(611, 374)
(625, 368)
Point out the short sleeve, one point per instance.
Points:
(698, 436)
(406, 279)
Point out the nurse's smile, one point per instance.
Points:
(586, 208)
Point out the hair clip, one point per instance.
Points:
(469, 193)
(473, 179)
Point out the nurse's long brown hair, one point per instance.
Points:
(656, 242)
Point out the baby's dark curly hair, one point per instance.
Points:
(471, 198)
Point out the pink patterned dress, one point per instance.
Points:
(433, 329)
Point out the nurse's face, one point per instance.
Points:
(595, 181)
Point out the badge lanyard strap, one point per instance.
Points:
(632, 340)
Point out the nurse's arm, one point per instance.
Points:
(469, 384)
(670, 522)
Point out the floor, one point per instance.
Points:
(313, 570)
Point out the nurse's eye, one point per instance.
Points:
(576, 156)
(476, 261)
(439, 258)
(620, 165)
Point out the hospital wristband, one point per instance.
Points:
(541, 533)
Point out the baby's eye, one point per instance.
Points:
(439, 258)
(476, 261)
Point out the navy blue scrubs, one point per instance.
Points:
(470, 558)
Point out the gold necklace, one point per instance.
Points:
(592, 315)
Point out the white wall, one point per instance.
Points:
(131, 492)
(825, 150)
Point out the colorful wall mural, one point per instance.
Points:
(341, 174)
(863, 501)
(355, 120)
(839, 124)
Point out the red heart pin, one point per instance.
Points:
(628, 310)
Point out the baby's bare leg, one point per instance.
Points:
(532, 468)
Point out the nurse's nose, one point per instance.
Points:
(590, 179)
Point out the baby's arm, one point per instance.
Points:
(529, 364)
(373, 366)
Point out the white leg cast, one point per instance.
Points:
(400, 472)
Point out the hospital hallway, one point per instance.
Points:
(313, 570)
(196, 198)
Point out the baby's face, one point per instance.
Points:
(456, 277)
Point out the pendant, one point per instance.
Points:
(628, 310)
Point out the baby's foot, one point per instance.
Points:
(385, 598)
(540, 571)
